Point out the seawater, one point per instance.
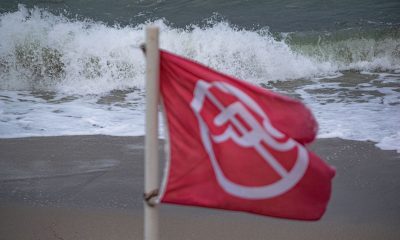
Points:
(66, 74)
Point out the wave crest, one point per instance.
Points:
(40, 50)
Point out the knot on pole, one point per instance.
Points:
(143, 48)
(150, 198)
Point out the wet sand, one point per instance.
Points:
(90, 187)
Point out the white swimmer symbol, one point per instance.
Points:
(257, 134)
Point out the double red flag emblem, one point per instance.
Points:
(237, 146)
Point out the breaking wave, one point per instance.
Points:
(43, 51)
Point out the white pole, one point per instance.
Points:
(151, 139)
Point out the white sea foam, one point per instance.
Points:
(42, 52)
(39, 50)
(372, 115)
(22, 115)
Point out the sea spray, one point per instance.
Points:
(40, 50)
(64, 76)
(43, 51)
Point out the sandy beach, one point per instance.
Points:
(90, 187)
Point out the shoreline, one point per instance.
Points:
(90, 187)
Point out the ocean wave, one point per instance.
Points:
(43, 51)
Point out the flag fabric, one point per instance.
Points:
(237, 146)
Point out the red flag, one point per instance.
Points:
(237, 146)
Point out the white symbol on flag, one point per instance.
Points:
(258, 133)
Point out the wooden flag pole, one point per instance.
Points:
(151, 139)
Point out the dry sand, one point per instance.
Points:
(90, 187)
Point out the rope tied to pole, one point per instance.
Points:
(150, 197)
